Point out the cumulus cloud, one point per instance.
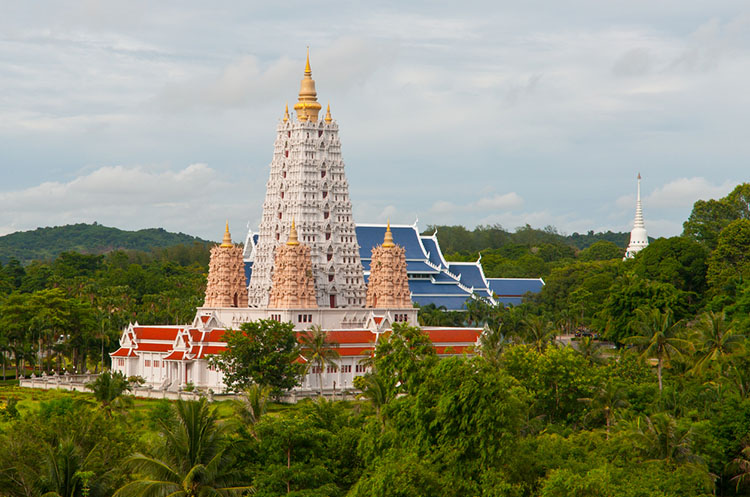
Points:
(126, 197)
(497, 201)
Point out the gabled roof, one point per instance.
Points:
(371, 235)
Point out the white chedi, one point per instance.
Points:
(638, 236)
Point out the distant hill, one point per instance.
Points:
(458, 239)
(47, 243)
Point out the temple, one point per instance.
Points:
(310, 265)
(638, 236)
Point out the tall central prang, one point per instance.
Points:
(307, 184)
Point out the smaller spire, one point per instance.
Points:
(227, 242)
(388, 240)
(303, 115)
(308, 71)
(328, 114)
(293, 235)
(286, 112)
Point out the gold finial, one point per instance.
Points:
(293, 235)
(286, 112)
(227, 242)
(388, 241)
(328, 114)
(307, 106)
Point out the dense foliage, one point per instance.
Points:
(45, 244)
(661, 409)
(73, 309)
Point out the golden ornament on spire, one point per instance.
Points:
(227, 242)
(286, 112)
(388, 241)
(328, 114)
(293, 235)
(307, 106)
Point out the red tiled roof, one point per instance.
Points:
(215, 335)
(211, 350)
(154, 347)
(205, 318)
(453, 335)
(123, 352)
(155, 333)
(378, 319)
(175, 355)
(351, 336)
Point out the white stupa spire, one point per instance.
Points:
(638, 236)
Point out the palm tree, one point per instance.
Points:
(660, 438)
(591, 350)
(741, 464)
(607, 399)
(717, 339)
(191, 461)
(657, 337)
(64, 473)
(492, 343)
(109, 389)
(379, 391)
(318, 351)
(539, 332)
(252, 406)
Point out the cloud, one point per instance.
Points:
(498, 201)
(127, 197)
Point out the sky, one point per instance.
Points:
(140, 114)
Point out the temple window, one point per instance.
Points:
(322, 174)
(279, 215)
(147, 363)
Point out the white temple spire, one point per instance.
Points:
(638, 236)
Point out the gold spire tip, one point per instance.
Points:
(286, 112)
(388, 240)
(227, 242)
(293, 235)
(308, 71)
(328, 114)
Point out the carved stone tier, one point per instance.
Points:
(293, 284)
(388, 286)
(226, 286)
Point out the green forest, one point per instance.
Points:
(658, 406)
(45, 244)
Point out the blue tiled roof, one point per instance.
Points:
(450, 303)
(426, 287)
(255, 238)
(471, 275)
(516, 301)
(372, 236)
(432, 249)
(248, 271)
(515, 287)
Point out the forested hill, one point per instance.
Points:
(45, 244)
(459, 239)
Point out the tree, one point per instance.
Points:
(190, 461)
(607, 399)
(710, 217)
(661, 437)
(538, 332)
(109, 388)
(403, 354)
(65, 470)
(731, 258)
(601, 251)
(261, 352)
(318, 351)
(657, 336)
(591, 350)
(680, 261)
(492, 343)
(716, 339)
